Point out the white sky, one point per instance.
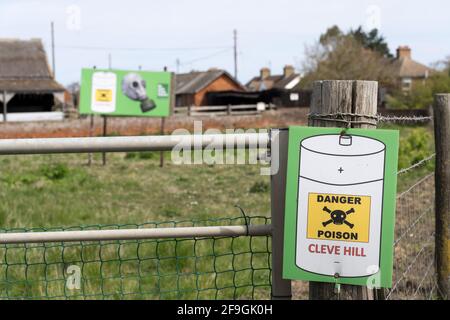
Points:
(270, 33)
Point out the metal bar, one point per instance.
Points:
(281, 288)
(127, 144)
(135, 234)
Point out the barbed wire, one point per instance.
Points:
(404, 118)
(343, 118)
(373, 119)
(418, 164)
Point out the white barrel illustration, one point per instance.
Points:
(340, 200)
(103, 95)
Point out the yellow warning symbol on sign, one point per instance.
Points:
(338, 217)
(103, 95)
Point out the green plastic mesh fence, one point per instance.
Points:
(192, 268)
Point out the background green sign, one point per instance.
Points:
(340, 205)
(125, 93)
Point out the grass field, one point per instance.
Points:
(61, 192)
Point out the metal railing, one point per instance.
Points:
(240, 281)
(128, 144)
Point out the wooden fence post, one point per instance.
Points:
(161, 132)
(5, 107)
(91, 134)
(105, 133)
(442, 194)
(334, 101)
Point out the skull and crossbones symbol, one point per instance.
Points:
(338, 217)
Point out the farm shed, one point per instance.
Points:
(26, 81)
(192, 87)
(279, 97)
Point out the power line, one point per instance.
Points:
(205, 57)
(101, 48)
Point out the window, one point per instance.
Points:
(406, 84)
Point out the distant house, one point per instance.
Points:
(265, 81)
(408, 70)
(26, 80)
(192, 88)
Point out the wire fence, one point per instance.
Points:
(192, 268)
(414, 267)
(207, 267)
(414, 275)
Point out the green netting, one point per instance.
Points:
(192, 268)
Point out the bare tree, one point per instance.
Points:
(74, 89)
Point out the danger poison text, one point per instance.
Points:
(338, 217)
(338, 199)
(321, 234)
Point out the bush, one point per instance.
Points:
(259, 187)
(414, 147)
(147, 155)
(55, 171)
(422, 94)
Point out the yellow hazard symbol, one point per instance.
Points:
(103, 95)
(338, 217)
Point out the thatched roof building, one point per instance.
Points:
(25, 77)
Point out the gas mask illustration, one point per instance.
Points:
(133, 86)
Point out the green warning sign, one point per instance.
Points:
(340, 205)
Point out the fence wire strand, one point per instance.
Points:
(192, 268)
(417, 164)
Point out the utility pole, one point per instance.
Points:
(109, 61)
(178, 65)
(235, 53)
(53, 48)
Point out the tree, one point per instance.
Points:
(339, 56)
(372, 40)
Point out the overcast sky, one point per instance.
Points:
(155, 33)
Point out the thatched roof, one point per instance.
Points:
(193, 82)
(24, 67)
